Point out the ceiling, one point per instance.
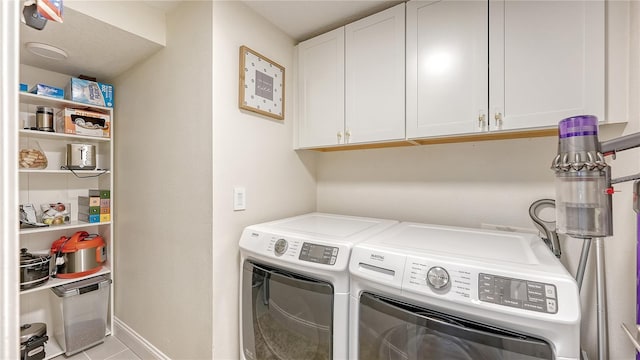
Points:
(85, 39)
(305, 19)
(301, 20)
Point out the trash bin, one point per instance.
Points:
(84, 306)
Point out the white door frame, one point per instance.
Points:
(9, 242)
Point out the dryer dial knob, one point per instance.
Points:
(280, 247)
(437, 278)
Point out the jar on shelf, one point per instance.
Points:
(44, 118)
(31, 155)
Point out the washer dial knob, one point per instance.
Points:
(280, 247)
(437, 278)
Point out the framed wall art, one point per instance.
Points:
(261, 84)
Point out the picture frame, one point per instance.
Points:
(261, 85)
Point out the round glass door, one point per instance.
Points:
(286, 316)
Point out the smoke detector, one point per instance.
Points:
(46, 51)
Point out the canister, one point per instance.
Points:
(44, 118)
(84, 315)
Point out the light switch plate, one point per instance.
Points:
(239, 198)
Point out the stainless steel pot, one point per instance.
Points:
(35, 269)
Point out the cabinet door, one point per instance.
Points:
(546, 62)
(321, 90)
(375, 64)
(447, 70)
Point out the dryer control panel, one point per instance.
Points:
(518, 293)
(318, 253)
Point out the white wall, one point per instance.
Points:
(132, 16)
(495, 182)
(182, 145)
(251, 151)
(472, 184)
(163, 182)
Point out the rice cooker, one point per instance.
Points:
(32, 340)
(80, 255)
(34, 269)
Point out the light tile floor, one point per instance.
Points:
(111, 349)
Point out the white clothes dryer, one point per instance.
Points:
(294, 285)
(422, 291)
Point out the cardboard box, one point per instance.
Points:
(82, 122)
(46, 90)
(89, 218)
(90, 210)
(90, 92)
(103, 194)
(89, 201)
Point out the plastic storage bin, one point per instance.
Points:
(83, 308)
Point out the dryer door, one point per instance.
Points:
(390, 329)
(285, 315)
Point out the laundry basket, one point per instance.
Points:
(83, 309)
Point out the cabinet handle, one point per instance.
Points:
(481, 119)
(347, 135)
(339, 135)
(498, 118)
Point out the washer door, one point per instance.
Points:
(389, 329)
(285, 316)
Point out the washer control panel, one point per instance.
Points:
(441, 279)
(280, 247)
(522, 294)
(318, 253)
(437, 278)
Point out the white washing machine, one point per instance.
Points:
(421, 291)
(294, 285)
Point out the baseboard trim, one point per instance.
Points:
(134, 341)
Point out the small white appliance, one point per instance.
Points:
(294, 285)
(422, 291)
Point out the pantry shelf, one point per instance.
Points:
(55, 135)
(53, 282)
(82, 140)
(34, 99)
(52, 348)
(68, 172)
(72, 225)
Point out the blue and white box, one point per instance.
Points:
(47, 90)
(90, 92)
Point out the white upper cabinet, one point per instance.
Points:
(546, 62)
(375, 64)
(367, 104)
(321, 90)
(447, 74)
(531, 64)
